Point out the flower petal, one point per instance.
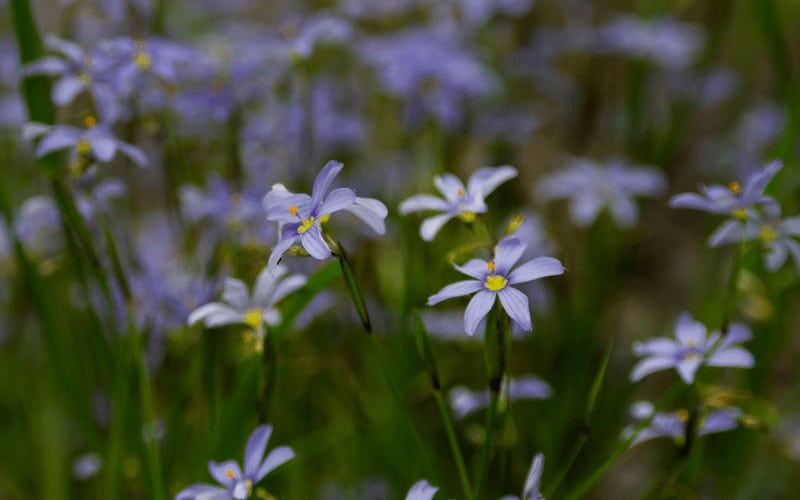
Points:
(432, 225)
(288, 285)
(58, 138)
(540, 267)
(516, 305)
(732, 356)
(691, 200)
(254, 451)
(314, 244)
(422, 202)
(486, 180)
(534, 479)
(457, 289)
(529, 387)
(220, 472)
(477, 268)
(756, 182)
(203, 492)
(371, 211)
(276, 458)
(323, 181)
(66, 88)
(422, 490)
(659, 346)
(288, 237)
(730, 231)
(214, 314)
(477, 308)
(449, 185)
(689, 331)
(236, 294)
(649, 365)
(687, 368)
(507, 253)
(339, 199)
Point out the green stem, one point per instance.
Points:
(458, 457)
(495, 354)
(483, 465)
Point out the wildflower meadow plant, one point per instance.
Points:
(238, 484)
(693, 348)
(494, 279)
(673, 424)
(459, 201)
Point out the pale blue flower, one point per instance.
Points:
(691, 349)
(776, 235)
(740, 202)
(301, 215)
(673, 424)
(533, 481)
(238, 484)
(464, 401)
(422, 490)
(238, 306)
(459, 201)
(95, 142)
(494, 279)
(591, 187)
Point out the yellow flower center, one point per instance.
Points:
(768, 234)
(253, 318)
(84, 78)
(89, 121)
(305, 225)
(83, 146)
(229, 473)
(691, 355)
(690, 343)
(293, 210)
(460, 193)
(739, 213)
(735, 187)
(495, 283)
(142, 59)
(468, 216)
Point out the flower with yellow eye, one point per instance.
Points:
(301, 216)
(673, 424)
(239, 307)
(459, 201)
(692, 349)
(236, 484)
(494, 279)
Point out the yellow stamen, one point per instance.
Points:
(768, 234)
(460, 193)
(682, 414)
(468, 217)
(253, 318)
(325, 218)
(229, 473)
(84, 78)
(490, 266)
(89, 121)
(293, 210)
(691, 355)
(739, 213)
(142, 58)
(495, 283)
(690, 343)
(735, 187)
(83, 147)
(305, 225)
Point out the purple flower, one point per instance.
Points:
(459, 201)
(422, 490)
(494, 279)
(735, 200)
(301, 216)
(673, 424)
(533, 481)
(95, 142)
(692, 349)
(465, 401)
(237, 484)
(590, 187)
(777, 237)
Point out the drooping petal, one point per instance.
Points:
(687, 368)
(584, 208)
(540, 267)
(275, 458)
(58, 138)
(214, 314)
(324, 180)
(756, 182)
(723, 419)
(422, 490)
(103, 146)
(516, 305)
(659, 346)
(457, 289)
(624, 211)
(432, 225)
(66, 88)
(49, 65)
(226, 473)
(450, 186)
(736, 334)
(339, 199)
(288, 237)
(775, 258)
(507, 253)
(730, 231)
(70, 49)
(477, 308)
(203, 492)
(731, 356)
(650, 365)
(371, 211)
(790, 226)
(477, 268)
(422, 202)
(486, 180)
(236, 294)
(691, 200)
(254, 451)
(135, 154)
(314, 243)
